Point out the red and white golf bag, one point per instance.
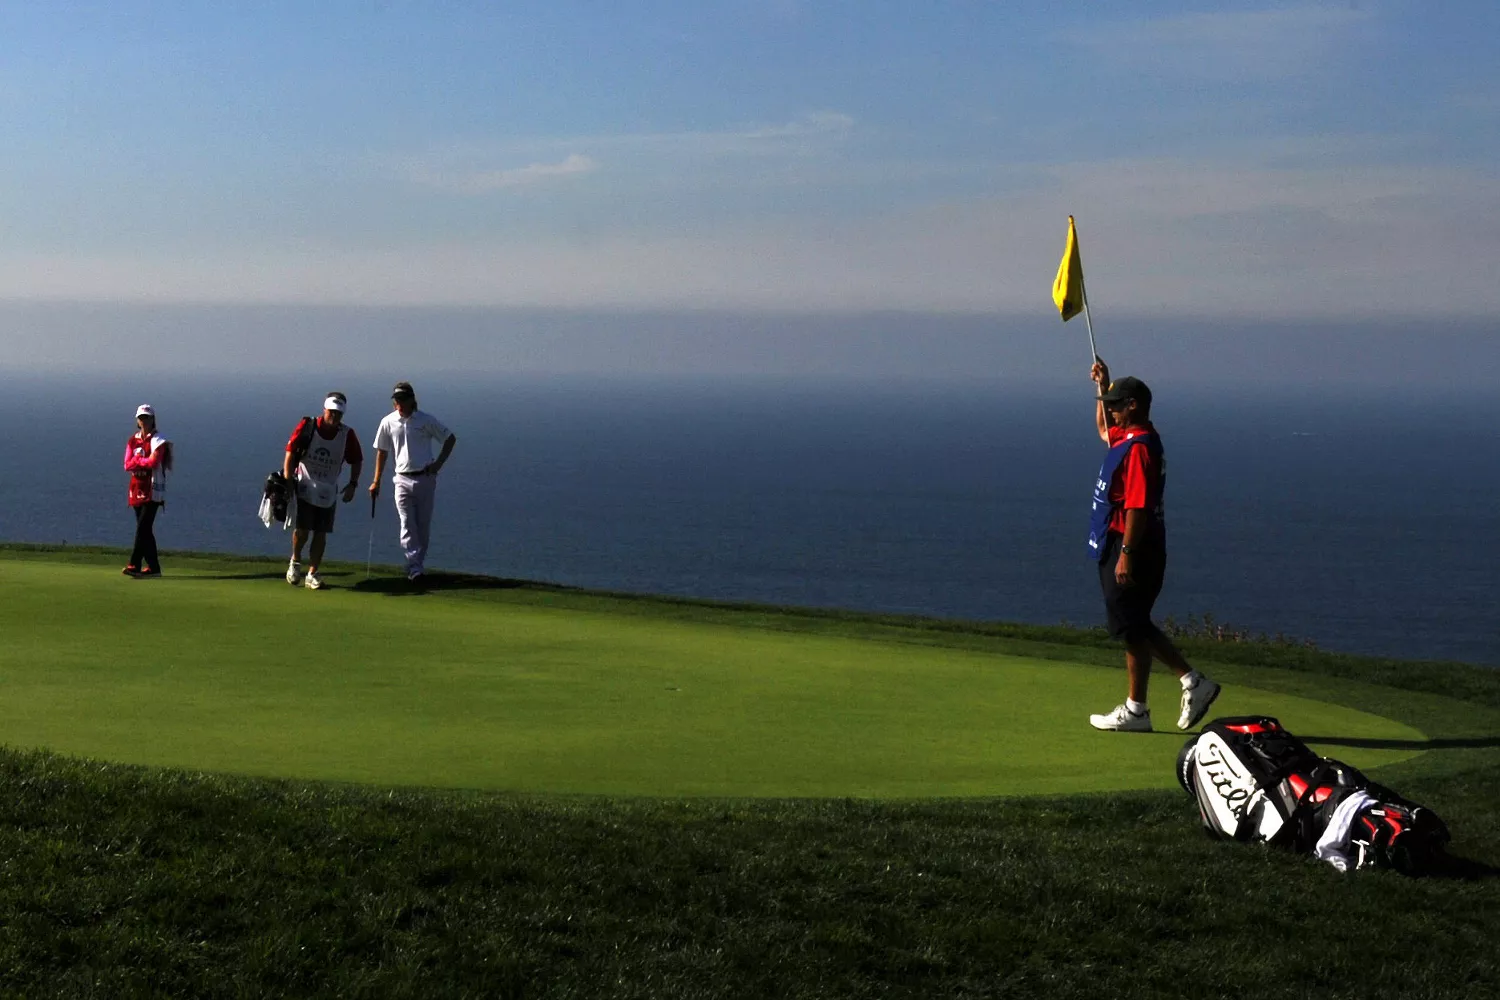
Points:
(1256, 782)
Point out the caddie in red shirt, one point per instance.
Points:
(318, 450)
(1128, 539)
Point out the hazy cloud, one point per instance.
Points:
(485, 181)
(1233, 237)
(1249, 44)
(463, 159)
(814, 124)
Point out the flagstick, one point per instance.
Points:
(1087, 319)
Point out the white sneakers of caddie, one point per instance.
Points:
(1196, 701)
(1197, 696)
(1123, 720)
(310, 580)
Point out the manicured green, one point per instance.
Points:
(224, 667)
(123, 881)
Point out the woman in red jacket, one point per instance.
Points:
(148, 458)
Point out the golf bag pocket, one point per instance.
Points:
(1398, 834)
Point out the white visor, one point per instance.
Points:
(333, 403)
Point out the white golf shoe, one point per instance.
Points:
(1196, 701)
(1123, 720)
(293, 573)
(311, 581)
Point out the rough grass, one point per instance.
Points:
(125, 882)
(122, 881)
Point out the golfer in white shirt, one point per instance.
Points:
(409, 434)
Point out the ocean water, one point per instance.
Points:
(1363, 524)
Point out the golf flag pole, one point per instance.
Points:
(1088, 321)
(1068, 292)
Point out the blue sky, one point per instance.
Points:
(1280, 160)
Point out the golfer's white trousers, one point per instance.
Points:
(414, 497)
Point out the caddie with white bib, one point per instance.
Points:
(315, 456)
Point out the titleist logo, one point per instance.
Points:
(1232, 785)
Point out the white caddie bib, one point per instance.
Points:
(318, 472)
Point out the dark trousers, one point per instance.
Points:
(144, 553)
(1128, 607)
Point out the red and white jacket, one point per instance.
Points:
(146, 459)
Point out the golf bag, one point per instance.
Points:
(278, 501)
(1256, 782)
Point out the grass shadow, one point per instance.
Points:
(1458, 869)
(1452, 743)
(228, 576)
(395, 586)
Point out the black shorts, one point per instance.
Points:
(1128, 608)
(313, 518)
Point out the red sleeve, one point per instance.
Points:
(136, 463)
(1142, 479)
(353, 453)
(291, 443)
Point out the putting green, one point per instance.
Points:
(246, 674)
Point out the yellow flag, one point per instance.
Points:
(1067, 290)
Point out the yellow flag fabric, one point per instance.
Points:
(1067, 289)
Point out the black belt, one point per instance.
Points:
(418, 472)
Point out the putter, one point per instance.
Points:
(370, 551)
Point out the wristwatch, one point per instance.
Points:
(1125, 550)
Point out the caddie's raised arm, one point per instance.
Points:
(1100, 374)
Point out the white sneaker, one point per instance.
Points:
(293, 573)
(1123, 720)
(311, 581)
(1196, 701)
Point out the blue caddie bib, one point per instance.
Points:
(1100, 513)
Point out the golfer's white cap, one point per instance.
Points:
(145, 410)
(334, 403)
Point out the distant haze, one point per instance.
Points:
(100, 339)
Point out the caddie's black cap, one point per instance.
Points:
(1125, 388)
(402, 389)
